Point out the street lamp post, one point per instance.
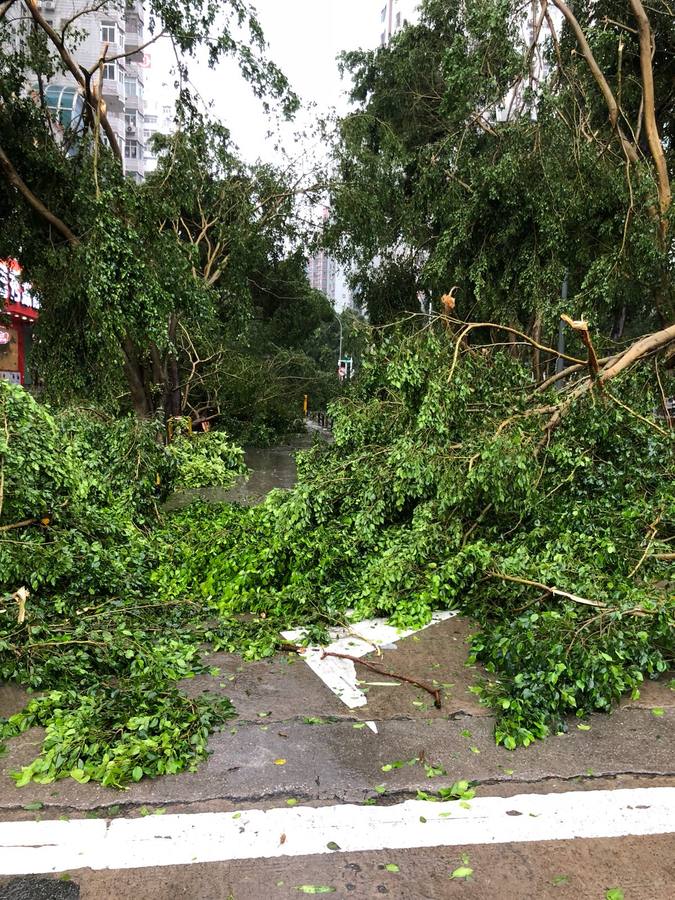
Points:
(340, 352)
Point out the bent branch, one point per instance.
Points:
(17, 181)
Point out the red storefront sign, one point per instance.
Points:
(21, 307)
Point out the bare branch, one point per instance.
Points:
(596, 71)
(649, 114)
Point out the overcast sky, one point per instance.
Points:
(304, 39)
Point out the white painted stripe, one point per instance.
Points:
(36, 847)
(357, 640)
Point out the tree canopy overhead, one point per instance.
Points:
(153, 284)
(497, 146)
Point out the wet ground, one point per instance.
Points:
(269, 468)
(286, 714)
(295, 742)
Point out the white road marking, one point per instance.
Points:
(357, 640)
(51, 846)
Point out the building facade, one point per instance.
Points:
(322, 268)
(394, 15)
(322, 273)
(117, 26)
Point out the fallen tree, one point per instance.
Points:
(546, 517)
(437, 493)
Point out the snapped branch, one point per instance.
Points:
(80, 74)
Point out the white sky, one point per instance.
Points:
(304, 38)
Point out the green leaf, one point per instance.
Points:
(332, 845)
(316, 889)
(560, 879)
(137, 773)
(657, 711)
(614, 894)
(462, 872)
(33, 807)
(583, 727)
(392, 867)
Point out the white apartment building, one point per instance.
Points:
(117, 24)
(160, 96)
(394, 15)
(322, 268)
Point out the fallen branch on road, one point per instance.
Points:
(435, 692)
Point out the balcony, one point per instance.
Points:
(133, 38)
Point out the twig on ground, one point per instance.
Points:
(435, 692)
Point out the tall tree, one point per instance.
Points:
(497, 146)
(123, 268)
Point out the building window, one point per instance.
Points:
(131, 87)
(110, 71)
(109, 33)
(131, 150)
(130, 121)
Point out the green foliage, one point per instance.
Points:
(94, 634)
(434, 490)
(461, 166)
(205, 460)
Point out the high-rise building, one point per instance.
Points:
(161, 95)
(394, 15)
(322, 268)
(322, 273)
(117, 26)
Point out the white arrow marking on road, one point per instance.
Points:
(51, 846)
(358, 640)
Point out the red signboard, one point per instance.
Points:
(21, 306)
(19, 300)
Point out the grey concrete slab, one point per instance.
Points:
(340, 763)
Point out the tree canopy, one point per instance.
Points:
(148, 288)
(498, 146)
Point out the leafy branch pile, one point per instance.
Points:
(548, 517)
(80, 621)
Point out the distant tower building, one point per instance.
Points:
(394, 15)
(322, 268)
(120, 27)
(161, 96)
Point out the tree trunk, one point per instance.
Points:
(174, 399)
(133, 372)
(619, 324)
(536, 352)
